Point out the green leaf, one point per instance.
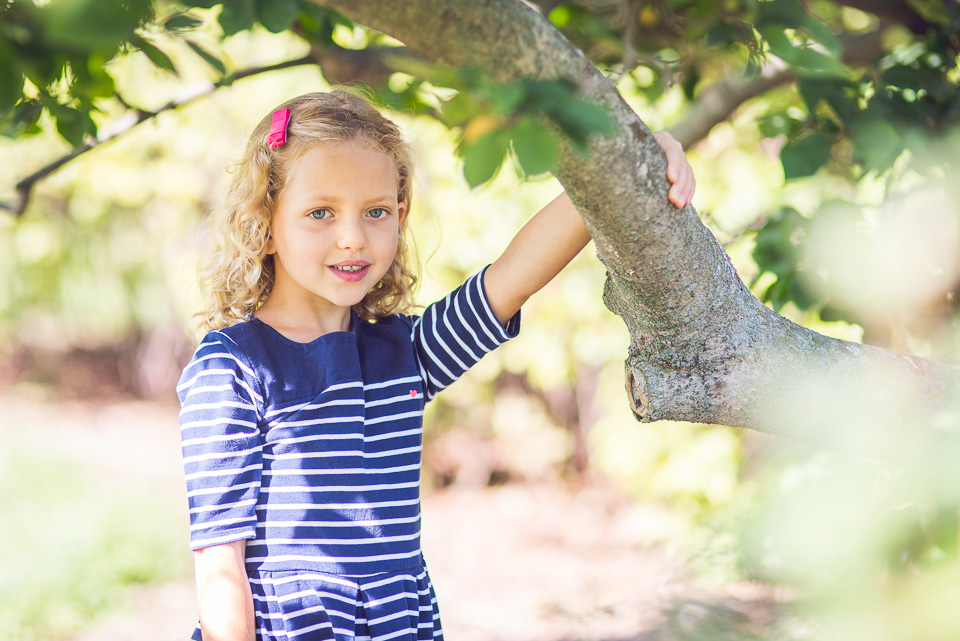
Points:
(211, 60)
(778, 123)
(831, 92)
(22, 119)
(482, 160)
(809, 62)
(535, 148)
(876, 144)
(91, 78)
(72, 124)
(203, 4)
(775, 246)
(579, 119)
(782, 11)
(277, 15)
(780, 45)
(182, 22)
(236, 16)
(434, 74)
(11, 80)
(156, 56)
(93, 25)
(805, 155)
(317, 23)
(505, 98)
(822, 34)
(459, 109)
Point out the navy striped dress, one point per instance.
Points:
(311, 451)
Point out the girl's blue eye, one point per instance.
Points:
(378, 213)
(319, 214)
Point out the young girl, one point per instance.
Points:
(302, 406)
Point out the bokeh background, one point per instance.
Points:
(549, 513)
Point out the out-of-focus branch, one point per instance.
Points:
(135, 116)
(716, 103)
(339, 65)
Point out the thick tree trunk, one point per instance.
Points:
(703, 347)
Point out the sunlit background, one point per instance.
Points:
(549, 510)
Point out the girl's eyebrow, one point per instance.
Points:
(385, 198)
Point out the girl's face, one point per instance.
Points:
(335, 229)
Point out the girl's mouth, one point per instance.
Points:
(350, 273)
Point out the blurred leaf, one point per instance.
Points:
(932, 11)
(236, 16)
(11, 80)
(775, 245)
(459, 109)
(580, 119)
(439, 75)
(876, 144)
(156, 56)
(210, 59)
(22, 119)
(786, 12)
(822, 34)
(93, 25)
(805, 155)
(482, 159)
(277, 15)
(505, 98)
(317, 23)
(203, 4)
(182, 22)
(778, 123)
(832, 93)
(780, 45)
(919, 78)
(72, 124)
(93, 81)
(535, 148)
(811, 62)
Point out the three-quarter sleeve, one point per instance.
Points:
(453, 334)
(222, 445)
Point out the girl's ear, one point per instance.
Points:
(401, 211)
(271, 246)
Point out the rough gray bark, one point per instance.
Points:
(703, 347)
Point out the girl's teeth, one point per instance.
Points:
(351, 268)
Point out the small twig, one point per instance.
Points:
(25, 186)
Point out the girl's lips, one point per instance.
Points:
(353, 274)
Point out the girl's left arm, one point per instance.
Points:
(556, 234)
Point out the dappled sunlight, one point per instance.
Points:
(886, 262)
(550, 513)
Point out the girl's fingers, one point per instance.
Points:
(679, 171)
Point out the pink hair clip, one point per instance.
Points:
(278, 128)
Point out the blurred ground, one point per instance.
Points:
(548, 562)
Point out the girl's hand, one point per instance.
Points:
(679, 171)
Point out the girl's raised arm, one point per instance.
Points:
(556, 234)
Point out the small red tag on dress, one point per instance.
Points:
(413, 393)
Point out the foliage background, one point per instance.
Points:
(845, 222)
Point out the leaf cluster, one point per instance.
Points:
(496, 119)
(55, 57)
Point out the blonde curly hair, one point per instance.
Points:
(238, 274)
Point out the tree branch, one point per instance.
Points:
(703, 347)
(24, 187)
(716, 103)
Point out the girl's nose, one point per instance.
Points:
(351, 233)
